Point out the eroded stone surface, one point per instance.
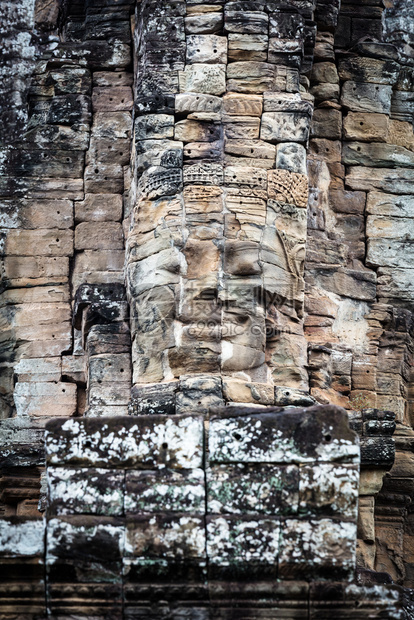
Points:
(85, 491)
(326, 547)
(281, 437)
(21, 537)
(165, 491)
(241, 489)
(142, 442)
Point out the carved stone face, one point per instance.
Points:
(216, 249)
(215, 273)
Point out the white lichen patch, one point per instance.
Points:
(329, 488)
(242, 541)
(175, 442)
(257, 472)
(377, 594)
(185, 439)
(236, 489)
(337, 449)
(233, 440)
(21, 539)
(168, 492)
(85, 491)
(244, 440)
(174, 538)
(64, 535)
(323, 544)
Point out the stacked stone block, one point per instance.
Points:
(179, 508)
(101, 318)
(22, 569)
(354, 180)
(358, 323)
(61, 216)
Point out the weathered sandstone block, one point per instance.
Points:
(203, 78)
(372, 127)
(284, 127)
(364, 97)
(142, 443)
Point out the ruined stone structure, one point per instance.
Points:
(206, 214)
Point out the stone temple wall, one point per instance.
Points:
(206, 214)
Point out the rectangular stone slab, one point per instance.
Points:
(45, 399)
(35, 270)
(250, 77)
(81, 537)
(402, 106)
(242, 545)
(284, 127)
(377, 451)
(320, 433)
(21, 536)
(329, 490)
(145, 442)
(164, 536)
(85, 549)
(377, 155)
(154, 398)
(367, 127)
(21, 443)
(260, 489)
(207, 48)
(245, 22)
(371, 70)
(85, 491)
(100, 54)
(247, 46)
(41, 242)
(38, 368)
(317, 549)
(286, 102)
(394, 180)
(389, 252)
(165, 491)
(363, 97)
(203, 78)
(34, 214)
(396, 283)
(197, 102)
(385, 227)
(390, 205)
